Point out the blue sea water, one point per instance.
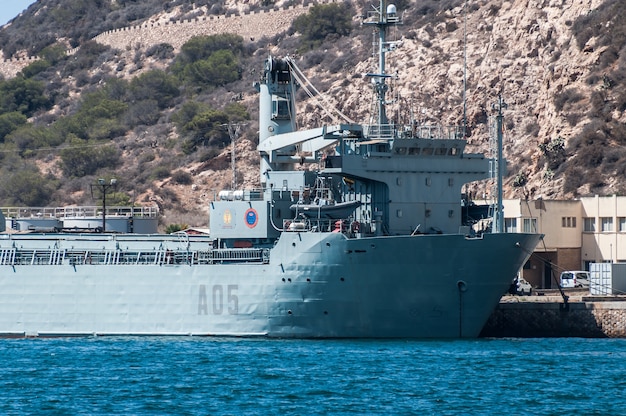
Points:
(207, 376)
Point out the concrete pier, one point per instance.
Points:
(547, 315)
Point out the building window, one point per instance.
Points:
(589, 225)
(510, 224)
(622, 223)
(568, 222)
(530, 225)
(607, 223)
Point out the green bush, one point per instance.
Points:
(144, 112)
(173, 228)
(161, 172)
(10, 122)
(202, 125)
(202, 47)
(181, 177)
(218, 69)
(567, 96)
(35, 68)
(29, 137)
(23, 95)
(53, 53)
(322, 22)
(161, 51)
(25, 187)
(81, 159)
(154, 85)
(97, 118)
(554, 152)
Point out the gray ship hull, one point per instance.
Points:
(314, 285)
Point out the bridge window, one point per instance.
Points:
(280, 109)
(400, 150)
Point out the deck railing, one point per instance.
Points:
(79, 212)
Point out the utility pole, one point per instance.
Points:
(104, 188)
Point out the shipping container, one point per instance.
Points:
(608, 278)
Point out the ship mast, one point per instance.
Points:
(386, 16)
(499, 167)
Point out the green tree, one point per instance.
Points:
(35, 68)
(236, 112)
(207, 61)
(173, 228)
(554, 152)
(208, 127)
(81, 159)
(321, 22)
(29, 137)
(25, 187)
(10, 122)
(187, 112)
(203, 125)
(53, 53)
(201, 47)
(218, 69)
(23, 95)
(155, 85)
(144, 112)
(97, 118)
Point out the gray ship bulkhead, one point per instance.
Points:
(315, 285)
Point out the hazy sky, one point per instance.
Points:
(11, 8)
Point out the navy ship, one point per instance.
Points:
(356, 231)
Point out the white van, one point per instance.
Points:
(575, 278)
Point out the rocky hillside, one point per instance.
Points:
(559, 65)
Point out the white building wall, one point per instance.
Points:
(607, 242)
(596, 225)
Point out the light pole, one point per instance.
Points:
(104, 188)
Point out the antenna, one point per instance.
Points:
(499, 217)
(465, 70)
(385, 16)
(233, 132)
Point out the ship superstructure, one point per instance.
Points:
(356, 231)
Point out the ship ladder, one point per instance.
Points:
(7, 257)
(56, 257)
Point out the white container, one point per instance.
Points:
(608, 278)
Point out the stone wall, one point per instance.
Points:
(10, 67)
(251, 26)
(587, 319)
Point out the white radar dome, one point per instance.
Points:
(391, 10)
